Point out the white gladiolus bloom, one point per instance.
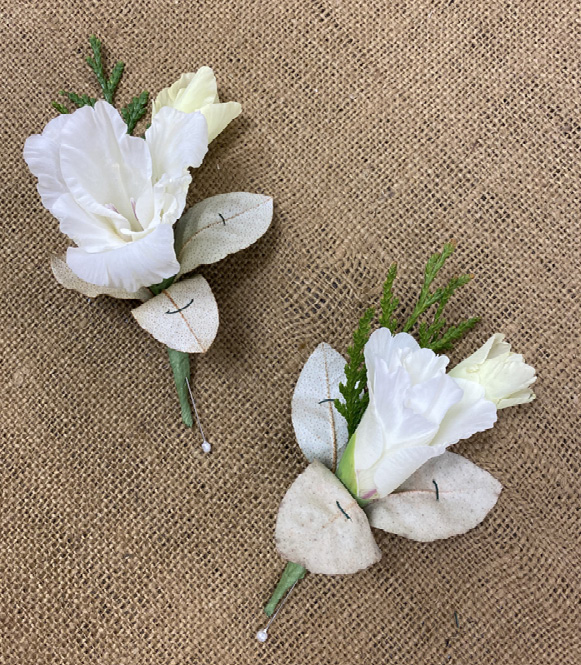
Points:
(117, 196)
(415, 412)
(504, 375)
(198, 91)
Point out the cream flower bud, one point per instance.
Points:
(504, 375)
(198, 91)
(415, 412)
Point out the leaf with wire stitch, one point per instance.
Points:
(220, 225)
(447, 496)
(184, 316)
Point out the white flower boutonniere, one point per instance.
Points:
(376, 431)
(121, 198)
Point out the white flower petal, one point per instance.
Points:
(397, 467)
(473, 413)
(143, 262)
(189, 93)
(104, 168)
(176, 141)
(67, 278)
(42, 156)
(219, 116)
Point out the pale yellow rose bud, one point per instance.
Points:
(198, 91)
(504, 375)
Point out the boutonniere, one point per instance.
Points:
(120, 199)
(376, 431)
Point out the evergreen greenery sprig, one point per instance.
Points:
(134, 111)
(432, 334)
(131, 113)
(108, 85)
(389, 303)
(354, 390)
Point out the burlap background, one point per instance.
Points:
(381, 129)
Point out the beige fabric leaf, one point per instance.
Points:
(321, 432)
(67, 278)
(321, 526)
(220, 225)
(183, 316)
(447, 496)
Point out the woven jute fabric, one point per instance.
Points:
(382, 130)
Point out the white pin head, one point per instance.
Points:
(206, 445)
(262, 635)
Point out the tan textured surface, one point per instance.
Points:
(381, 129)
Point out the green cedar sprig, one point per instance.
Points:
(353, 391)
(131, 113)
(432, 334)
(135, 110)
(389, 303)
(108, 85)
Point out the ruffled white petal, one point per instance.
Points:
(189, 93)
(219, 116)
(104, 168)
(140, 263)
(176, 141)
(399, 466)
(41, 153)
(473, 413)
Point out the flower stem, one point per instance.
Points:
(180, 364)
(292, 573)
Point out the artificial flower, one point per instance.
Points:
(504, 375)
(415, 412)
(117, 196)
(198, 91)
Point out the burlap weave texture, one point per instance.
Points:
(381, 129)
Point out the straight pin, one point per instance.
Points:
(262, 635)
(206, 445)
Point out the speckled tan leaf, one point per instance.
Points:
(465, 494)
(321, 432)
(183, 316)
(220, 225)
(321, 527)
(67, 278)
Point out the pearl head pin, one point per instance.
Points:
(206, 445)
(262, 635)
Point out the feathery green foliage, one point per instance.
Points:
(431, 333)
(353, 391)
(134, 111)
(79, 100)
(108, 85)
(434, 334)
(61, 108)
(389, 303)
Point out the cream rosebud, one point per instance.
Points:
(198, 91)
(504, 375)
(415, 412)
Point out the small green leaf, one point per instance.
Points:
(61, 108)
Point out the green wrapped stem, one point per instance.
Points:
(292, 573)
(180, 364)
